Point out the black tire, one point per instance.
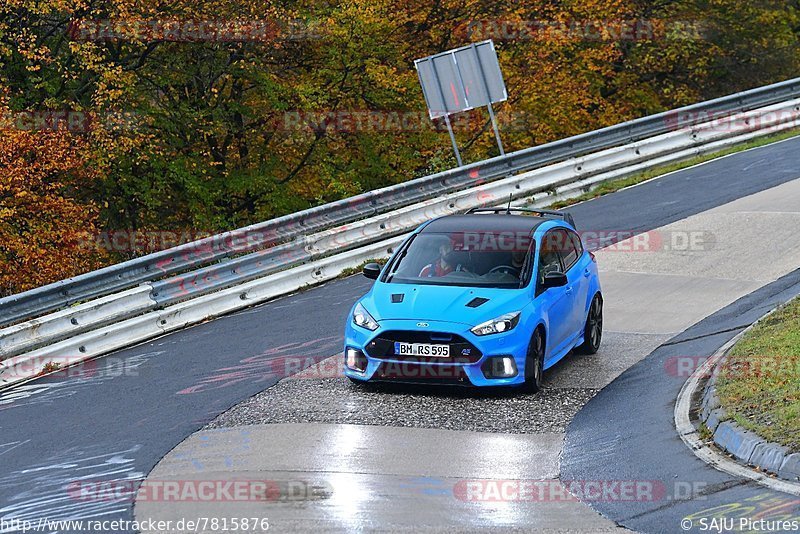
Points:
(593, 329)
(534, 362)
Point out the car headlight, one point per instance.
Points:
(504, 323)
(362, 318)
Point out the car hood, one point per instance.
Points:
(442, 303)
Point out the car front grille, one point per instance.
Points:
(421, 373)
(461, 350)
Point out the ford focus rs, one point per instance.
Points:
(489, 298)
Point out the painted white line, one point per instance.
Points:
(691, 437)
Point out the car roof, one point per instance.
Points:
(486, 223)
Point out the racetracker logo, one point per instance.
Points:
(147, 241)
(420, 369)
(240, 490)
(307, 367)
(371, 121)
(652, 241)
(71, 367)
(574, 30)
(72, 121)
(756, 365)
(593, 240)
(732, 121)
(191, 31)
(560, 491)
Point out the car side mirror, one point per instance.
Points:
(372, 271)
(554, 279)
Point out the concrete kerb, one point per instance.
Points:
(748, 448)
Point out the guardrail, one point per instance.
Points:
(283, 230)
(133, 315)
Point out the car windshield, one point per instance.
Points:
(471, 259)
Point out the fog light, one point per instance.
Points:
(355, 360)
(500, 367)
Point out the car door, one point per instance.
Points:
(583, 273)
(577, 287)
(554, 302)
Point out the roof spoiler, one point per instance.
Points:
(535, 212)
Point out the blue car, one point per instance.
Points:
(490, 298)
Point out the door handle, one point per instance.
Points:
(586, 273)
(569, 291)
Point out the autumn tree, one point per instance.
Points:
(220, 132)
(47, 229)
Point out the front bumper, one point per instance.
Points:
(464, 367)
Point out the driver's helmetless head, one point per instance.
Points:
(518, 256)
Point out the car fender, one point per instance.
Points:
(534, 317)
(594, 289)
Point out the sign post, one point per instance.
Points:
(460, 80)
(489, 105)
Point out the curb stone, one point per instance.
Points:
(710, 404)
(790, 469)
(715, 417)
(746, 446)
(769, 456)
(736, 440)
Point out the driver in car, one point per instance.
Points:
(443, 265)
(514, 268)
(518, 259)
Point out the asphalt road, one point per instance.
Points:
(403, 459)
(114, 419)
(627, 432)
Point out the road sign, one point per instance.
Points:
(462, 79)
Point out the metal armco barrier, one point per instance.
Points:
(282, 230)
(102, 325)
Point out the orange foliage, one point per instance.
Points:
(209, 137)
(44, 229)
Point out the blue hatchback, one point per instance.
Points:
(489, 298)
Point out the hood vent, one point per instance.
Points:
(477, 301)
(397, 298)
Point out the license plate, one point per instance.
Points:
(421, 349)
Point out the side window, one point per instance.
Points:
(549, 260)
(576, 240)
(569, 254)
